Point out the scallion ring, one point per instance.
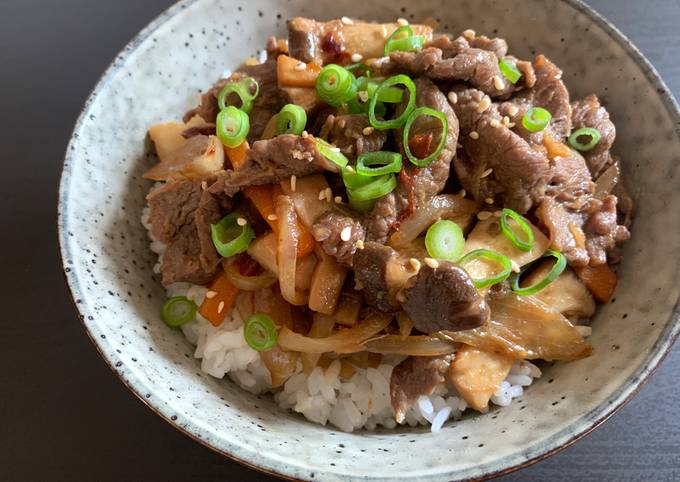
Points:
(386, 161)
(498, 258)
(243, 90)
(425, 111)
(331, 153)
(509, 70)
(400, 79)
(588, 132)
(232, 126)
(555, 271)
(260, 332)
(229, 237)
(335, 85)
(405, 43)
(392, 95)
(363, 197)
(536, 119)
(177, 311)
(354, 180)
(523, 244)
(363, 68)
(291, 120)
(444, 240)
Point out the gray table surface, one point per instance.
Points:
(65, 416)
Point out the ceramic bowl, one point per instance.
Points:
(109, 266)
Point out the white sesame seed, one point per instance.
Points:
(367, 131)
(506, 120)
(515, 266)
(483, 105)
(347, 21)
(337, 200)
(211, 294)
(432, 263)
(272, 217)
(402, 21)
(415, 264)
(462, 193)
(513, 110)
(486, 173)
(482, 215)
(356, 57)
(494, 123)
(305, 134)
(322, 195)
(204, 185)
(511, 125)
(558, 76)
(359, 244)
(241, 221)
(335, 149)
(220, 307)
(469, 34)
(453, 97)
(498, 83)
(363, 95)
(474, 135)
(329, 194)
(489, 200)
(346, 233)
(383, 30)
(349, 169)
(300, 67)
(293, 182)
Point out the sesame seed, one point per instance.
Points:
(211, 294)
(558, 76)
(356, 57)
(511, 125)
(462, 193)
(322, 194)
(497, 214)
(486, 173)
(329, 194)
(494, 123)
(474, 135)
(220, 307)
(300, 67)
(383, 30)
(359, 244)
(337, 200)
(350, 169)
(498, 83)
(293, 182)
(347, 21)
(415, 264)
(469, 34)
(346, 233)
(482, 215)
(432, 263)
(363, 95)
(204, 185)
(241, 221)
(483, 105)
(335, 149)
(367, 131)
(489, 200)
(515, 266)
(513, 110)
(272, 217)
(402, 21)
(506, 120)
(305, 134)
(453, 97)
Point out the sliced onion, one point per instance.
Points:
(607, 181)
(322, 326)
(306, 197)
(405, 324)
(349, 340)
(245, 282)
(421, 345)
(280, 363)
(327, 281)
(287, 251)
(444, 206)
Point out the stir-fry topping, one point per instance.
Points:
(444, 240)
(523, 244)
(510, 70)
(497, 258)
(404, 40)
(232, 235)
(536, 119)
(555, 271)
(178, 311)
(413, 117)
(260, 332)
(400, 120)
(584, 139)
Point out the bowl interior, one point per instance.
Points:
(109, 266)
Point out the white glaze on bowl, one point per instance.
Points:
(108, 264)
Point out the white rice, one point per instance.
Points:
(323, 397)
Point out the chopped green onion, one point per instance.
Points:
(335, 85)
(392, 95)
(243, 90)
(555, 271)
(498, 258)
(229, 237)
(291, 120)
(401, 79)
(523, 226)
(363, 197)
(407, 43)
(177, 311)
(509, 70)
(380, 109)
(354, 180)
(444, 240)
(536, 119)
(425, 111)
(233, 126)
(260, 332)
(330, 152)
(388, 162)
(365, 69)
(588, 132)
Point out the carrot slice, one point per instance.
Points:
(290, 75)
(237, 155)
(600, 281)
(215, 309)
(554, 147)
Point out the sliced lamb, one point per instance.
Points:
(589, 113)
(413, 377)
(338, 232)
(417, 185)
(347, 133)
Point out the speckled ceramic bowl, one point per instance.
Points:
(108, 263)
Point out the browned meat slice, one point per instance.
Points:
(416, 186)
(267, 103)
(347, 133)
(381, 272)
(496, 45)
(589, 113)
(444, 298)
(180, 214)
(338, 232)
(497, 163)
(413, 377)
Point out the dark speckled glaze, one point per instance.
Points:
(108, 264)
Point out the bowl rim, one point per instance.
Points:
(554, 444)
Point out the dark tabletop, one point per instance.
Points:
(64, 415)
